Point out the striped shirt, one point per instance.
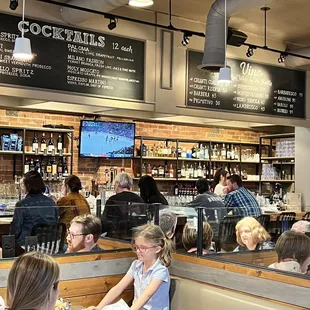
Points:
(242, 202)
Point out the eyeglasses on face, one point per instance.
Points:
(72, 236)
(142, 248)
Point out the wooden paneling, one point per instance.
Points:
(110, 244)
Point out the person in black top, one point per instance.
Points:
(149, 191)
(121, 207)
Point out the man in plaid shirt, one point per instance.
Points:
(239, 199)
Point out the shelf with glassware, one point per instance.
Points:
(179, 160)
(277, 161)
(50, 153)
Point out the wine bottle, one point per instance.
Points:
(54, 167)
(32, 165)
(60, 169)
(171, 171)
(176, 190)
(65, 172)
(35, 143)
(26, 165)
(49, 167)
(43, 143)
(51, 146)
(59, 143)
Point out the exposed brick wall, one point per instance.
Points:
(88, 169)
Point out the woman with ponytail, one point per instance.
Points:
(33, 283)
(149, 272)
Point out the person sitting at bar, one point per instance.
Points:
(189, 237)
(168, 223)
(293, 249)
(149, 191)
(214, 208)
(301, 226)
(33, 282)
(34, 209)
(240, 200)
(219, 182)
(73, 203)
(83, 234)
(252, 236)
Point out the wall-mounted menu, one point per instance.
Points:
(255, 88)
(73, 60)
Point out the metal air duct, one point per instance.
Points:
(214, 51)
(296, 62)
(74, 17)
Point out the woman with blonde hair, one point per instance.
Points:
(252, 236)
(189, 237)
(33, 283)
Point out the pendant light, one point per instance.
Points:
(225, 72)
(141, 3)
(22, 47)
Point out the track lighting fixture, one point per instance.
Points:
(112, 24)
(282, 57)
(250, 51)
(13, 4)
(186, 37)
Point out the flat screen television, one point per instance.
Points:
(106, 139)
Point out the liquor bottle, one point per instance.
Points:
(223, 152)
(176, 190)
(143, 170)
(154, 172)
(26, 165)
(144, 149)
(166, 172)
(43, 168)
(35, 143)
(173, 151)
(199, 171)
(179, 173)
(232, 152)
(236, 154)
(191, 172)
(171, 171)
(49, 167)
(214, 152)
(183, 171)
(32, 165)
(197, 151)
(228, 157)
(207, 153)
(37, 165)
(65, 172)
(202, 152)
(60, 170)
(169, 150)
(204, 171)
(54, 167)
(149, 170)
(195, 173)
(186, 171)
(59, 143)
(218, 152)
(161, 171)
(43, 143)
(179, 152)
(211, 172)
(51, 146)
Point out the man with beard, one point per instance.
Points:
(83, 234)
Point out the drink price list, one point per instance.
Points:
(72, 60)
(255, 88)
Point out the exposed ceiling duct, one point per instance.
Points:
(214, 51)
(75, 17)
(296, 62)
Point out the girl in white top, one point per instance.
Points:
(149, 272)
(220, 181)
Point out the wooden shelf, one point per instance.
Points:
(249, 162)
(43, 129)
(11, 152)
(155, 158)
(278, 158)
(278, 181)
(173, 179)
(48, 154)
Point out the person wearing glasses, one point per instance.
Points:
(149, 272)
(33, 282)
(83, 234)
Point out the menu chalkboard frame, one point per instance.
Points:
(80, 94)
(241, 112)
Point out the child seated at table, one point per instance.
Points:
(149, 272)
(293, 249)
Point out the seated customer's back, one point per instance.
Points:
(34, 209)
(214, 208)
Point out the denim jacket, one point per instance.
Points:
(32, 210)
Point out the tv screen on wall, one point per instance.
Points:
(106, 139)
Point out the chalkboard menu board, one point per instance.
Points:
(73, 60)
(255, 88)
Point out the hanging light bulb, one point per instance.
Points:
(225, 72)
(22, 47)
(141, 3)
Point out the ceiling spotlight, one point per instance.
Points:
(141, 3)
(112, 24)
(250, 51)
(13, 4)
(282, 57)
(186, 37)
